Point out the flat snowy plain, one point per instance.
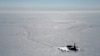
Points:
(40, 33)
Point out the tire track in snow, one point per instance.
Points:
(28, 30)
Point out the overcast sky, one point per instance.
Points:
(49, 4)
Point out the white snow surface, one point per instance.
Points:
(39, 34)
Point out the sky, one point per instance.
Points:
(49, 4)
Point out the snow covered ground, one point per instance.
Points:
(39, 34)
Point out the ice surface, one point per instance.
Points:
(39, 34)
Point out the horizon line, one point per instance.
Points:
(51, 11)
